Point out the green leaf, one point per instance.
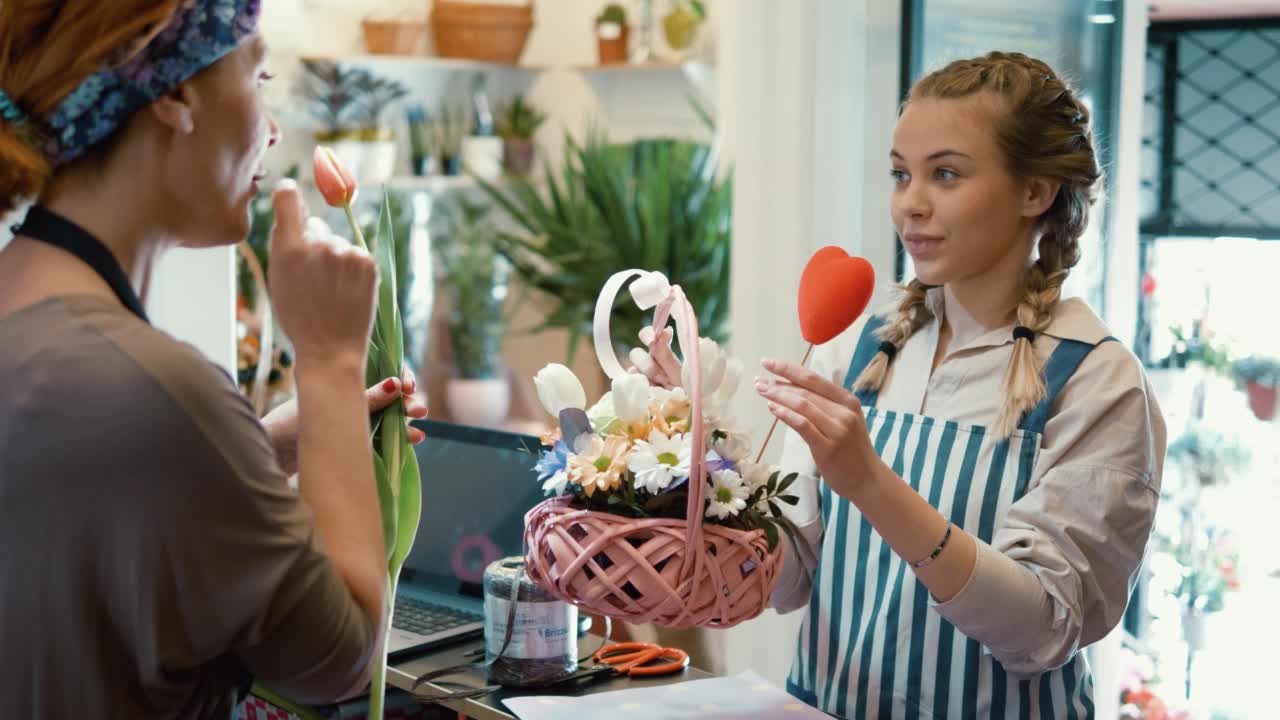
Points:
(786, 482)
(387, 504)
(615, 500)
(409, 509)
(773, 483)
(388, 317)
(771, 533)
(774, 509)
(788, 499)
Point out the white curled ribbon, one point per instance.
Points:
(653, 290)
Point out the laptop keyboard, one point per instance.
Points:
(425, 618)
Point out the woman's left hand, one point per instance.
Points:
(282, 423)
(828, 418)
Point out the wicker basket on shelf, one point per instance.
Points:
(393, 37)
(481, 31)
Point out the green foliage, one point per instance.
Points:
(1211, 455)
(652, 204)
(1256, 369)
(344, 98)
(520, 120)
(612, 13)
(1198, 348)
(476, 276)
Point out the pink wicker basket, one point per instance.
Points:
(674, 573)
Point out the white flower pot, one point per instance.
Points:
(379, 161)
(1193, 629)
(483, 157)
(480, 403)
(350, 152)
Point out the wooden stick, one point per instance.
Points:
(774, 426)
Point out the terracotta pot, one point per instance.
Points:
(1262, 400)
(613, 50)
(518, 156)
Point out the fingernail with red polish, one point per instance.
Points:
(389, 385)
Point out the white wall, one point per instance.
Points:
(809, 95)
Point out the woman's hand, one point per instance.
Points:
(829, 419)
(282, 423)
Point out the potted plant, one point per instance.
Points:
(681, 25)
(1209, 455)
(1210, 564)
(652, 204)
(612, 34)
(374, 95)
(348, 104)
(1260, 378)
(450, 131)
(422, 141)
(477, 277)
(517, 126)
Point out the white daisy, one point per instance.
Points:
(728, 494)
(755, 476)
(556, 483)
(659, 461)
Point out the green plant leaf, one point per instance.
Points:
(771, 533)
(387, 505)
(786, 482)
(788, 499)
(409, 509)
(388, 316)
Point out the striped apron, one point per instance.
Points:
(870, 647)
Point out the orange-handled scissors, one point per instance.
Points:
(639, 659)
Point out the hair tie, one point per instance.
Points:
(889, 349)
(1023, 332)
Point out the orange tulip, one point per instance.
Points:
(335, 181)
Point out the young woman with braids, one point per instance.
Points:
(989, 460)
(152, 556)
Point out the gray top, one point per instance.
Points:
(152, 556)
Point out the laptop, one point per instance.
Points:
(477, 484)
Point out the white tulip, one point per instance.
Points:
(734, 446)
(713, 368)
(559, 389)
(631, 397)
(719, 404)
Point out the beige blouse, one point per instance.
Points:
(1059, 571)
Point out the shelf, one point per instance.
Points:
(686, 67)
(447, 183)
(428, 62)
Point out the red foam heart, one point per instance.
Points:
(834, 290)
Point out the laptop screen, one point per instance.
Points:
(477, 484)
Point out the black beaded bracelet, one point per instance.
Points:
(936, 551)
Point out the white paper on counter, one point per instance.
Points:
(741, 696)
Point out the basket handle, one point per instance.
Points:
(652, 290)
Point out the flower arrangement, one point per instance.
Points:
(634, 459)
(658, 515)
(1210, 567)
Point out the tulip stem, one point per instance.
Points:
(355, 227)
(774, 426)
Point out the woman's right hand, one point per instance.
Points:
(322, 287)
